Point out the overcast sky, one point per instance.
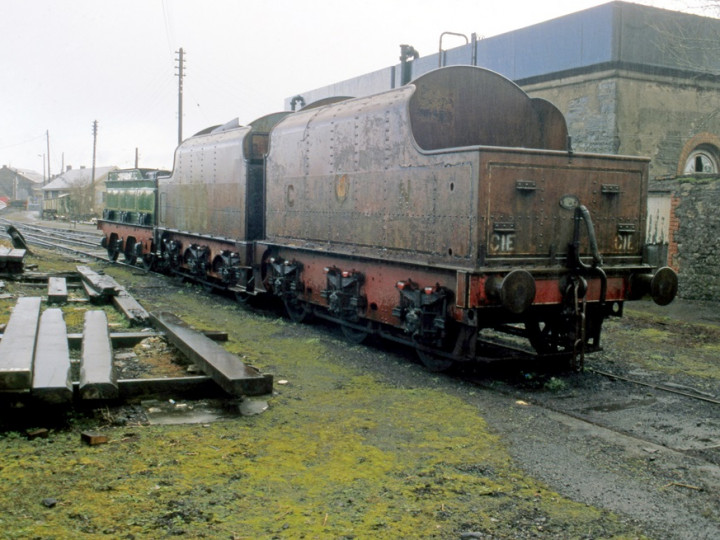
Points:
(66, 63)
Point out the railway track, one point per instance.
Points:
(680, 419)
(663, 388)
(66, 239)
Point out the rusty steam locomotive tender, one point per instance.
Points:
(428, 214)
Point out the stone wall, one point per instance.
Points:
(589, 103)
(694, 249)
(637, 114)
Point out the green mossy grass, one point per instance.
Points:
(340, 453)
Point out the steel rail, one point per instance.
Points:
(653, 386)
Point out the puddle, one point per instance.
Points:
(187, 412)
(253, 407)
(613, 407)
(200, 412)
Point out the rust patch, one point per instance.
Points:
(342, 186)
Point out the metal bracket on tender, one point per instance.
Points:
(170, 253)
(285, 277)
(577, 294)
(229, 268)
(343, 293)
(577, 288)
(422, 311)
(197, 261)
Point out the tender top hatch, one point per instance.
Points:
(469, 106)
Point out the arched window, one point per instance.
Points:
(703, 159)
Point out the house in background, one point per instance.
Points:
(20, 187)
(72, 194)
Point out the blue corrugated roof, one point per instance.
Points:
(617, 34)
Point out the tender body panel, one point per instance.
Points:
(208, 188)
(530, 201)
(372, 174)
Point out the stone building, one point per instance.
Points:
(630, 79)
(19, 185)
(72, 194)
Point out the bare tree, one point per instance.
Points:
(690, 42)
(80, 200)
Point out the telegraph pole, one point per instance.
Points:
(92, 175)
(180, 74)
(47, 135)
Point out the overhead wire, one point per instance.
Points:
(168, 25)
(32, 139)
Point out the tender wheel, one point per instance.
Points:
(208, 286)
(129, 254)
(242, 297)
(148, 261)
(113, 249)
(433, 362)
(296, 310)
(355, 335)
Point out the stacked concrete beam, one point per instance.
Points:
(97, 376)
(51, 380)
(18, 345)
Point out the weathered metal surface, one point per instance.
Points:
(57, 290)
(226, 369)
(467, 106)
(538, 220)
(349, 175)
(51, 377)
(18, 345)
(351, 178)
(133, 240)
(97, 376)
(216, 185)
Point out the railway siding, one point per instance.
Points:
(35, 364)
